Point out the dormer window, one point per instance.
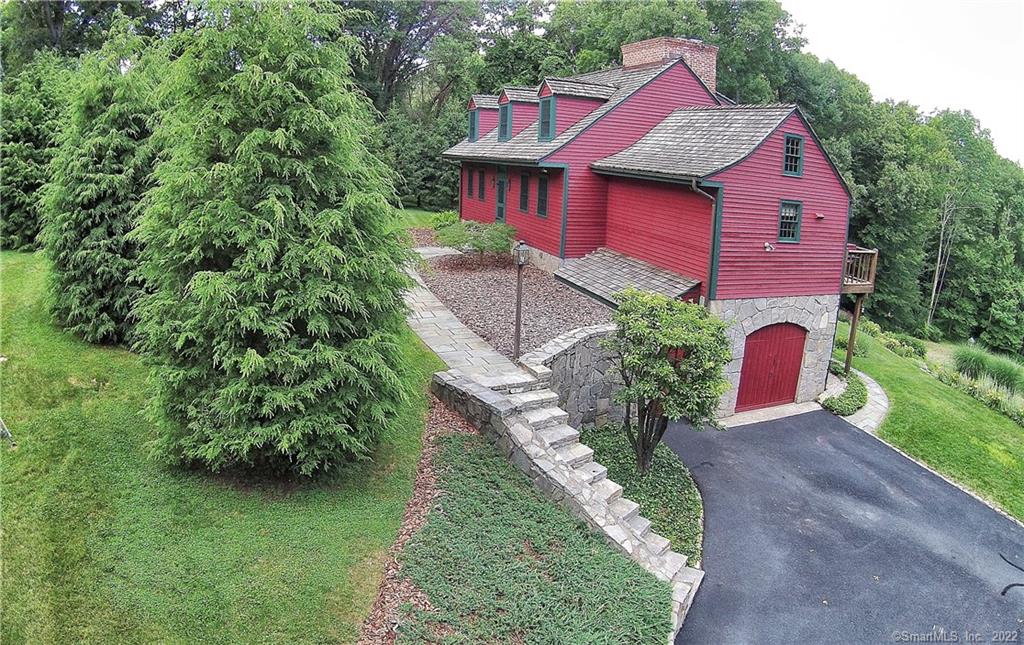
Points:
(474, 124)
(504, 121)
(547, 119)
(793, 156)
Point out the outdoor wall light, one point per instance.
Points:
(768, 246)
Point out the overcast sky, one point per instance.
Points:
(960, 54)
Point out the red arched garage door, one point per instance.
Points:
(771, 366)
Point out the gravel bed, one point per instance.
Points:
(395, 589)
(483, 294)
(423, 237)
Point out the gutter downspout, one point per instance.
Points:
(711, 259)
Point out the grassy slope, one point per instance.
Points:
(501, 564)
(947, 429)
(99, 544)
(413, 218)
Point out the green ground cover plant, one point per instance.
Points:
(948, 429)
(501, 564)
(667, 495)
(974, 361)
(102, 544)
(852, 398)
(484, 239)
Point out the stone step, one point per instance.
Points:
(545, 417)
(533, 399)
(560, 435)
(658, 544)
(608, 490)
(576, 454)
(625, 509)
(592, 472)
(641, 525)
(685, 586)
(511, 382)
(673, 563)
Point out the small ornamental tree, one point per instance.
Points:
(31, 107)
(274, 280)
(98, 177)
(670, 355)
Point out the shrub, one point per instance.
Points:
(915, 344)
(443, 219)
(869, 327)
(895, 343)
(670, 355)
(31, 104)
(969, 360)
(482, 238)
(932, 333)
(860, 348)
(99, 174)
(276, 302)
(851, 400)
(986, 390)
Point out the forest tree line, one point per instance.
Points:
(945, 211)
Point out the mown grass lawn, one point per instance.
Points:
(947, 429)
(100, 544)
(413, 218)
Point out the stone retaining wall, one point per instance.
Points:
(567, 475)
(580, 373)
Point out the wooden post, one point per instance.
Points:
(851, 342)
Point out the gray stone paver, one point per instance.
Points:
(870, 417)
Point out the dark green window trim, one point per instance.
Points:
(504, 121)
(480, 187)
(524, 192)
(469, 182)
(789, 228)
(793, 156)
(542, 196)
(474, 124)
(546, 123)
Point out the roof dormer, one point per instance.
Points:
(564, 101)
(517, 108)
(483, 115)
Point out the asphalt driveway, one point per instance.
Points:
(816, 532)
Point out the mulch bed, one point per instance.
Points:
(423, 237)
(482, 294)
(395, 589)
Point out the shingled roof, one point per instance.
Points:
(523, 94)
(574, 87)
(525, 148)
(487, 101)
(696, 142)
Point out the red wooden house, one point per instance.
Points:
(644, 175)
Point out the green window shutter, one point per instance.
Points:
(793, 156)
(469, 182)
(542, 196)
(504, 121)
(474, 124)
(546, 130)
(524, 192)
(480, 184)
(790, 214)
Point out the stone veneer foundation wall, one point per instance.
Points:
(544, 261)
(581, 374)
(816, 314)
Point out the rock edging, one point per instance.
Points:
(522, 418)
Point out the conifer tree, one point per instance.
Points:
(276, 302)
(31, 108)
(98, 177)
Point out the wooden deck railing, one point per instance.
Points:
(859, 272)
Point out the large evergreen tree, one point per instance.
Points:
(31, 106)
(276, 280)
(98, 176)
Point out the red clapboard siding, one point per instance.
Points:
(753, 191)
(570, 109)
(539, 232)
(488, 121)
(771, 366)
(523, 114)
(676, 87)
(665, 224)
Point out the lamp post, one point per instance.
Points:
(520, 254)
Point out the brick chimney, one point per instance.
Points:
(701, 57)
